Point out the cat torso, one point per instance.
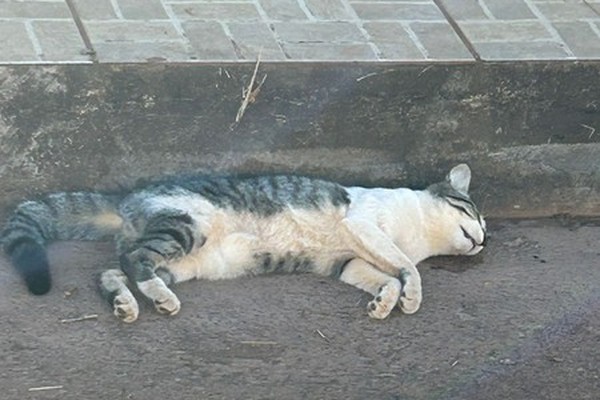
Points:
(254, 226)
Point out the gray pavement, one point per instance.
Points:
(521, 321)
(88, 31)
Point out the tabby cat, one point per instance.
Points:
(218, 228)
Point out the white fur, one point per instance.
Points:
(391, 229)
(234, 238)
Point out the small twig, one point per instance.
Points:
(254, 94)
(83, 318)
(249, 94)
(323, 336)
(223, 70)
(360, 78)
(370, 74)
(590, 128)
(42, 388)
(424, 70)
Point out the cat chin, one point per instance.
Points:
(474, 250)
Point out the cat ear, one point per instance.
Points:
(459, 178)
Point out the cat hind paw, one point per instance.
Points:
(125, 307)
(169, 306)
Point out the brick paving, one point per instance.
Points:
(87, 31)
(529, 29)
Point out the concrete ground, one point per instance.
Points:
(149, 87)
(519, 321)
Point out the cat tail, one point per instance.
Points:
(59, 216)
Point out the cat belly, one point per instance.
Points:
(213, 263)
(244, 244)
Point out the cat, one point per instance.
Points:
(224, 227)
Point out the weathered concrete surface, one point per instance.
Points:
(530, 131)
(519, 321)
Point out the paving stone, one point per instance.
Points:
(583, 41)
(330, 52)
(566, 11)
(509, 9)
(15, 44)
(541, 50)
(595, 6)
(440, 41)
(398, 11)
(141, 52)
(151, 9)
(464, 9)
(216, 11)
(283, 10)
(505, 31)
(393, 41)
(338, 32)
(390, 1)
(328, 10)
(209, 40)
(130, 31)
(60, 41)
(252, 38)
(95, 9)
(230, 30)
(34, 9)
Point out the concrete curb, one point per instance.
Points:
(530, 131)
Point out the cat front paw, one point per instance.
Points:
(385, 301)
(125, 307)
(411, 298)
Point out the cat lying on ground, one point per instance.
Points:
(218, 228)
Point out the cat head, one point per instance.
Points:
(461, 228)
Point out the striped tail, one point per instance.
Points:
(59, 216)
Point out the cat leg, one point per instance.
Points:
(167, 237)
(370, 243)
(113, 286)
(385, 288)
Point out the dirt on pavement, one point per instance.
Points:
(519, 321)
